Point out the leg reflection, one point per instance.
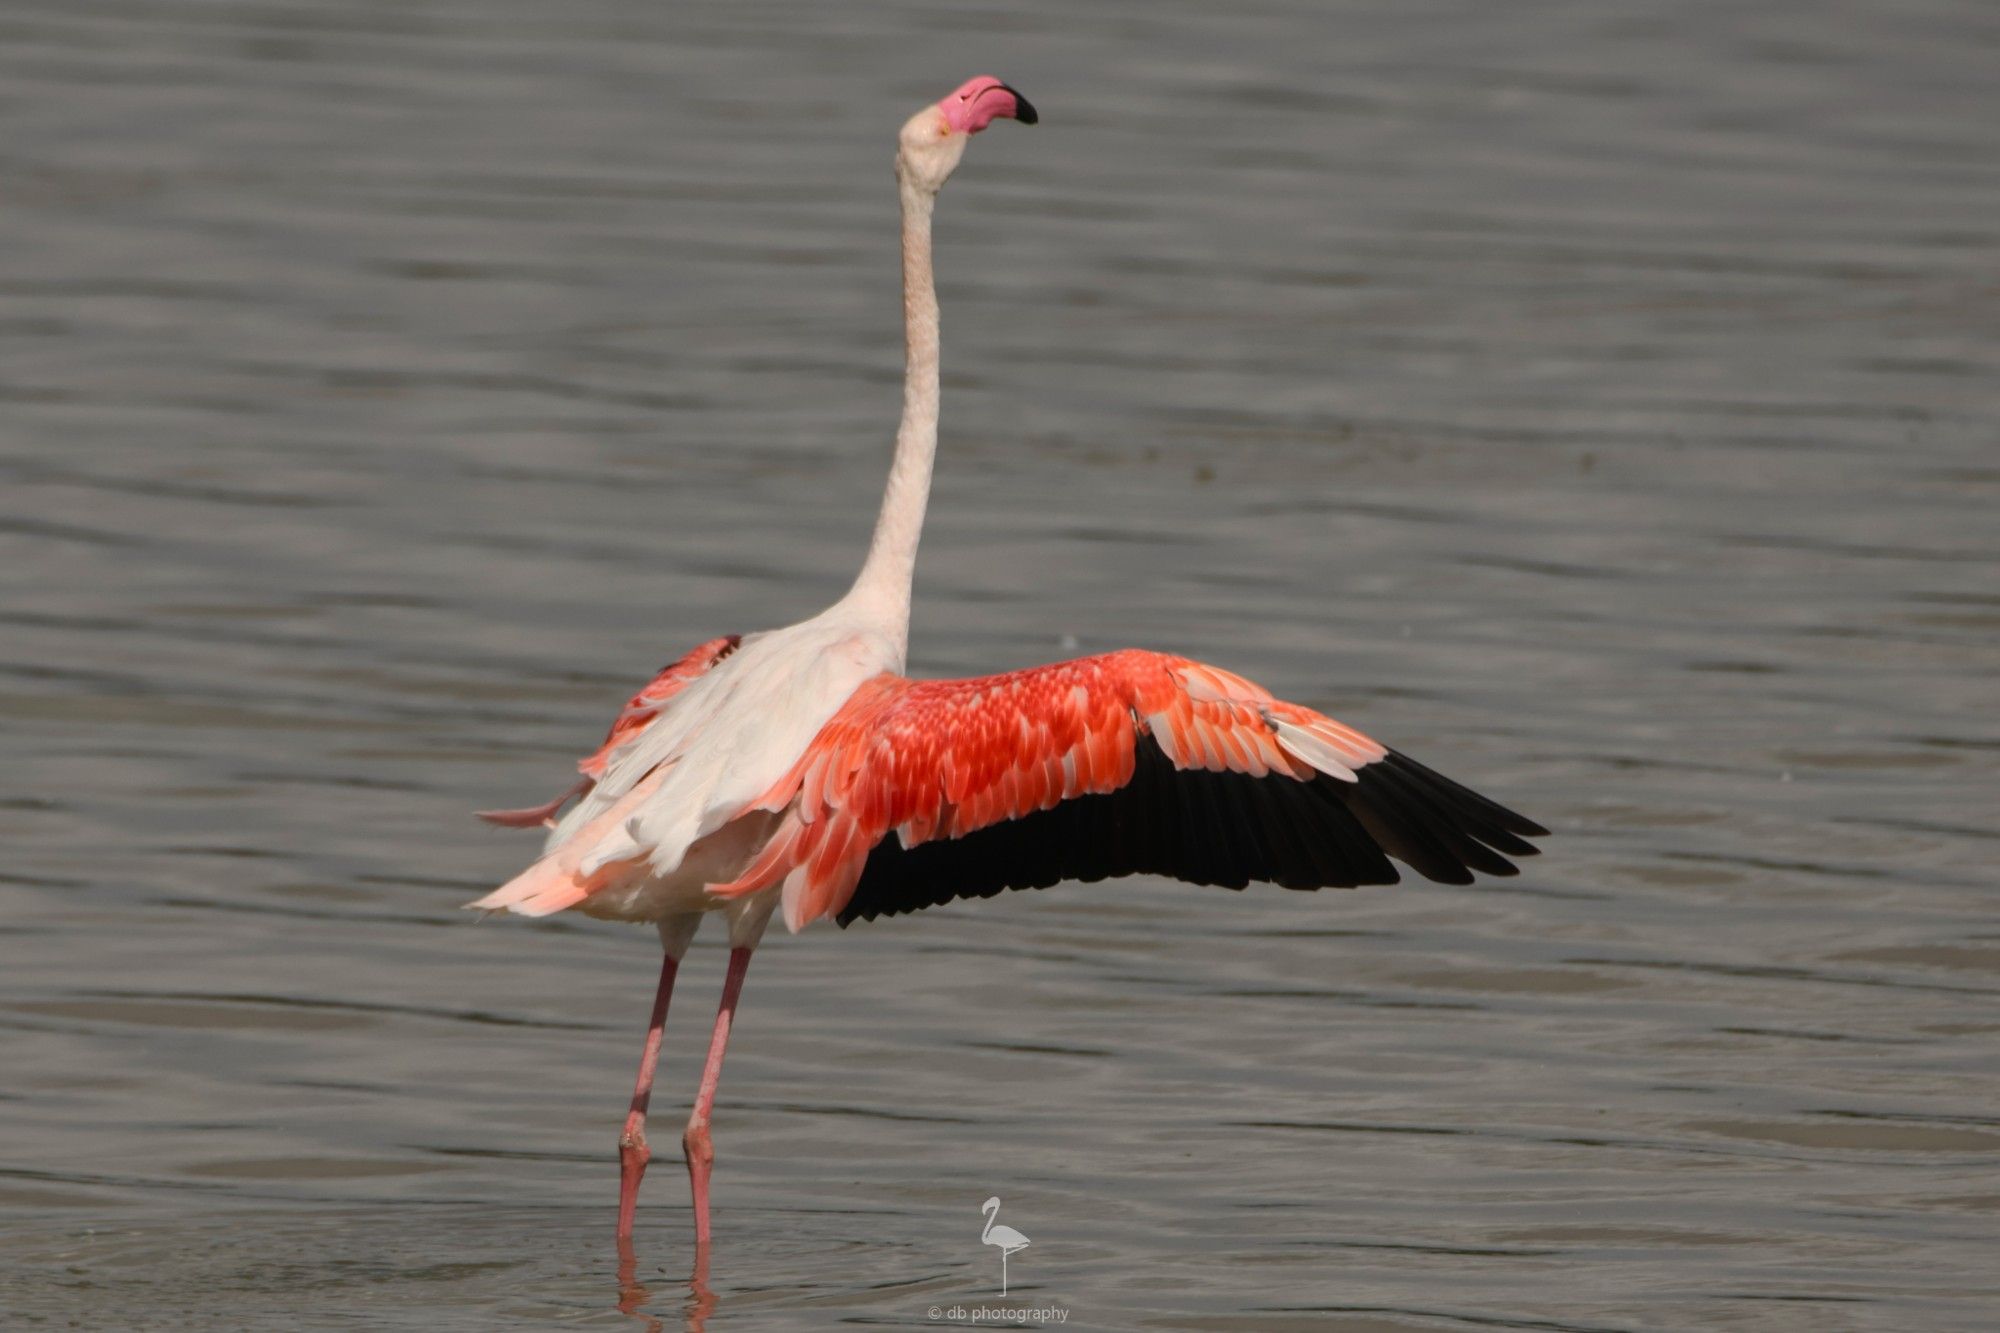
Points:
(634, 1294)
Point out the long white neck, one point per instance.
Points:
(882, 591)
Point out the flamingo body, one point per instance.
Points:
(800, 767)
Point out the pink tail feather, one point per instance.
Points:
(534, 815)
(554, 882)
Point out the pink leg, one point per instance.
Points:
(633, 1154)
(700, 1151)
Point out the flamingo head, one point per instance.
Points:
(992, 1205)
(934, 139)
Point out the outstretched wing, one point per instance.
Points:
(1126, 763)
(639, 710)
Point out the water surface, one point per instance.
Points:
(1596, 403)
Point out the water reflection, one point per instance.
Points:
(634, 1296)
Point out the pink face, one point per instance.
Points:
(981, 101)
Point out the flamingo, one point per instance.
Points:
(801, 769)
(1009, 1240)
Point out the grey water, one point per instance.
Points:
(1597, 402)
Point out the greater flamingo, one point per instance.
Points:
(774, 768)
(1009, 1240)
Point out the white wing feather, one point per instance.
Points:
(727, 739)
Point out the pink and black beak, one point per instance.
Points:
(981, 101)
(1024, 110)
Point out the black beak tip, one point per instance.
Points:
(1024, 110)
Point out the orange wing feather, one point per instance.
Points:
(943, 759)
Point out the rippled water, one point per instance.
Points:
(1596, 401)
